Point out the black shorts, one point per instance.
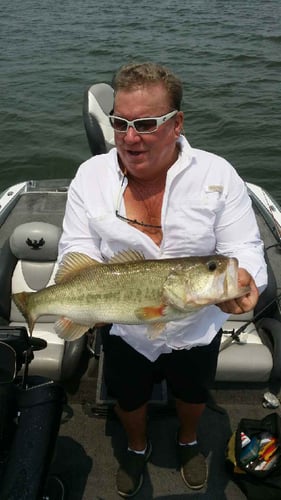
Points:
(130, 376)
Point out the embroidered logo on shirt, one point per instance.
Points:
(216, 188)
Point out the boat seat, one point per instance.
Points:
(246, 360)
(35, 247)
(256, 356)
(98, 103)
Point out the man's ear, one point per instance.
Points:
(179, 123)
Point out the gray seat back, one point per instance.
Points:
(98, 103)
(35, 246)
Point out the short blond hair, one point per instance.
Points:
(134, 75)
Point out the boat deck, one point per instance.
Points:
(89, 446)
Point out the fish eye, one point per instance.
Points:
(212, 265)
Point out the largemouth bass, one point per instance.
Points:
(130, 290)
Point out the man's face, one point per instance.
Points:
(146, 156)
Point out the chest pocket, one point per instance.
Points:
(193, 223)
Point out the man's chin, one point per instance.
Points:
(132, 160)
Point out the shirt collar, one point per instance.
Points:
(186, 151)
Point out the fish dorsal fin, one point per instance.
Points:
(126, 256)
(72, 264)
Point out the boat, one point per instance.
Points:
(90, 438)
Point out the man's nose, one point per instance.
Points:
(132, 134)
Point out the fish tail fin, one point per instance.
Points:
(22, 302)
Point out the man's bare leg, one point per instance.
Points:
(189, 415)
(135, 426)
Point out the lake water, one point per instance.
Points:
(228, 53)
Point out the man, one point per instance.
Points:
(155, 194)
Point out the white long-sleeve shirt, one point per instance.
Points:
(205, 210)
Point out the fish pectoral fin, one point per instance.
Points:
(68, 330)
(126, 256)
(153, 313)
(73, 263)
(149, 313)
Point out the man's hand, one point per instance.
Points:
(245, 303)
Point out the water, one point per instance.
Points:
(227, 53)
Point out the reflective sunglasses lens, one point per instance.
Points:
(145, 125)
(118, 124)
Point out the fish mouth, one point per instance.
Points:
(231, 289)
(230, 283)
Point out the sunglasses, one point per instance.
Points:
(140, 125)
